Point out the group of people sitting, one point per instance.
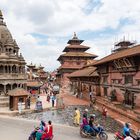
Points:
(43, 132)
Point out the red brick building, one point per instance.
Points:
(84, 81)
(73, 59)
(118, 75)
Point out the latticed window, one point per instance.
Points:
(138, 82)
(128, 79)
(105, 79)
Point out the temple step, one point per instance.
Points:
(4, 98)
(4, 103)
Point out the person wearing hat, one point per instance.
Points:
(86, 113)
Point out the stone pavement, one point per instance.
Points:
(65, 117)
(118, 116)
(70, 99)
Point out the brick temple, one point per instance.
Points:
(73, 58)
(114, 81)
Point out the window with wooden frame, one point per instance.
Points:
(105, 79)
(127, 62)
(117, 65)
(122, 63)
(128, 79)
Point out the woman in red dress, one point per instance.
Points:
(48, 133)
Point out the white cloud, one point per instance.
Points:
(60, 18)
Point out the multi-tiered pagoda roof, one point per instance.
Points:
(75, 52)
(73, 58)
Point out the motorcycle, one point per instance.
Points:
(101, 133)
(119, 136)
(33, 135)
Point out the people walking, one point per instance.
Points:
(76, 117)
(28, 102)
(52, 100)
(20, 106)
(48, 97)
(104, 112)
(81, 95)
(90, 95)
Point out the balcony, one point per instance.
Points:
(12, 76)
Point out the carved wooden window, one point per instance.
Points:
(122, 63)
(78, 63)
(113, 67)
(138, 82)
(127, 62)
(113, 81)
(119, 81)
(117, 65)
(105, 79)
(128, 79)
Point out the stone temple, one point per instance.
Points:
(12, 64)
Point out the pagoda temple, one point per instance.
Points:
(12, 64)
(73, 59)
(36, 73)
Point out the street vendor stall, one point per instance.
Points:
(17, 96)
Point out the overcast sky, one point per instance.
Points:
(43, 27)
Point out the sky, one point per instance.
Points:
(43, 27)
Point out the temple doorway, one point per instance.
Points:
(105, 91)
(129, 98)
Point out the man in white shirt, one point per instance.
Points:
(90, 95)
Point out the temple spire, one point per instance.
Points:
(0, 13)
(75, 36)
(1, 16)
(75, 40)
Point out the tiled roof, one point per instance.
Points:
(124, 53)
(77, 54)
(18, 92)
(75, 47)
(69, 67)
(90, 63)
(86, 72)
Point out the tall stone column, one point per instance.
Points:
(17, 69)
(10, 69)
(11, 86)
(25, 86)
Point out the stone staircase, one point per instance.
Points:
(4, 101)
